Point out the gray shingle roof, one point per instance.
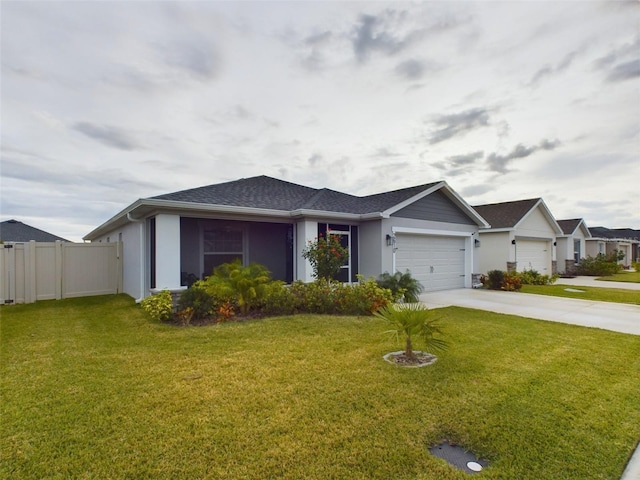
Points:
(507, 214)
(569, 226)
(15, 231)
(604, 232)
(270, 193)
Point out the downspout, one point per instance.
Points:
(142, 252)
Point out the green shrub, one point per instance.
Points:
(362, 298)
(533, 277)
(159, 307)
(600, 265)
(201, 302)
(495, 279)
(636, 266)
(248, 286)
(278, 300)
(511, 282)
(331, 297)
(402, 285)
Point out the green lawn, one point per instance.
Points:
(623, 276)
(91, 389)
(587, 293)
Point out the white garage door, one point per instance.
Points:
(436, 262)
(533, 255)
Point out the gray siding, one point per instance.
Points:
(435, 207)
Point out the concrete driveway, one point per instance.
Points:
(606, 315)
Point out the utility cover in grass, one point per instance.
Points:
(459, 457)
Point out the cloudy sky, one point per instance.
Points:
(107, 102)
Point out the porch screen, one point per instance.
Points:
(221, 246)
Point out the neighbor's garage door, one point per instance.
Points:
(436, 262)
(533, 255)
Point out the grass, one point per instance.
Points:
(587, 293)
(631, 277)
(91, 389)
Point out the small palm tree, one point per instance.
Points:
(413, 320)
(402, 285)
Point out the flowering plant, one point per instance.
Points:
(326, 256)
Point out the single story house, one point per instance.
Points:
(605, 241)
(428, 229)
(15, 231)
(571, 244)
(521, 237)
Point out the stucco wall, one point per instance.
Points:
(495, 251)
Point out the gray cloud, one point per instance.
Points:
(385, 153)
(625, 71)
(413, 69)
(373, 34)
(622, 63)
(458, 124)
(314, 159)
(197, 57)
(109, 136)
(459, 164)
(498, 163)
(467, 159)
(549, 70)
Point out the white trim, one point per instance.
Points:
(427, 231)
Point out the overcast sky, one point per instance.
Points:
(107, 102)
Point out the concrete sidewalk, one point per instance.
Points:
(606, 315)
(592, 282)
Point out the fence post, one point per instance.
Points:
(30, 294)
(58, 270)
(4, 276)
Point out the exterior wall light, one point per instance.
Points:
(389, 240)
(513, 242)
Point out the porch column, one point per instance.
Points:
(167, 252)
(306, 231)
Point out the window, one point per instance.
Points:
(576, 251)
(222, 245)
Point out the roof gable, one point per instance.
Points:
(506, 214)
(15, 231)
(569, 227)
(510, 215)
(436, 207)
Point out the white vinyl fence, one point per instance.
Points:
(34, 271)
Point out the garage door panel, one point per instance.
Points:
(533, 255)
(436, 262)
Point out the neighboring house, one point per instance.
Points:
(521, 236)
(571, 245)
(428, 229)
(606, 241)
(15, 231)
